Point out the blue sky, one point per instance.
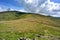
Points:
(56, 1)
(19, 5)
(16, 4)
(11, 4)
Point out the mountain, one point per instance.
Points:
(14, 24)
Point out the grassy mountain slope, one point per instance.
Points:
(15, 24)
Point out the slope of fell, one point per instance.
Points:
(27, 25)
(10, 15)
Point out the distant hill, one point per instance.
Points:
(14, 24)
(9, 15)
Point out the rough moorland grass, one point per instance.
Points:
(27, 25)
(10, 15)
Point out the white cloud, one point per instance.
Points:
(52, 8)
(55, 15)
(44, 6)
(2, 9)
(12, 9)
(22, 10)
(29, 1)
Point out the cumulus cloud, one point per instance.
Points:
(45, 7)
(52, 8)
(2, 8)
(21, 10)
(33, 5)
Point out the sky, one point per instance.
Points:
(10, 4)
(44, 7)
(56, 1)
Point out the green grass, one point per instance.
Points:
(10, 15)
(14, 25)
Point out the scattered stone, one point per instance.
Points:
(22, 38)
(3, 39)
(28, 39)
(38, 35)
